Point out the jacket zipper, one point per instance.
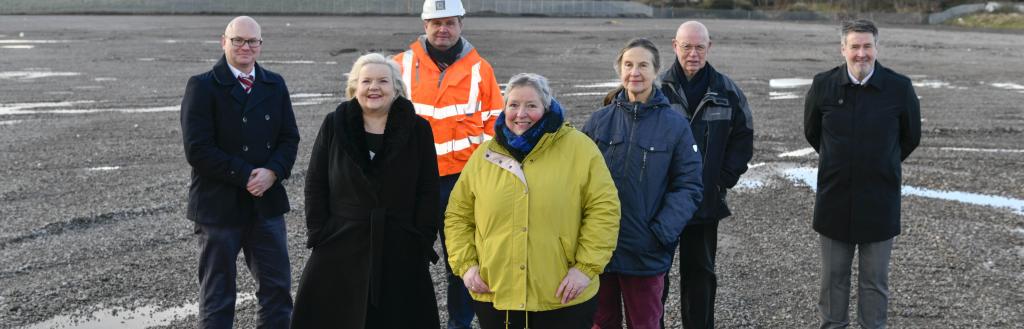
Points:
(629, 143)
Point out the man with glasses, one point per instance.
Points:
(864, 120)
(454, 89)
(240, 139)
(723, 129)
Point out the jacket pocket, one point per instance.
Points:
(654, 160)
(613, 149)
(569, 250)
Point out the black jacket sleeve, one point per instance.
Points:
(739, 149)
(283, 159)
(427, 190)
(812, 116)
(910, 124)
(317, 182)
(198, 135)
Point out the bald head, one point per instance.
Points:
(242, 41)
(691, 45)
(243, 22)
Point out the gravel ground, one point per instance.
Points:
(94, 183)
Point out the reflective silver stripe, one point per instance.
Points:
(460, 144)
(485, 115)
(439, 113)
(474, 89)
(407, 72)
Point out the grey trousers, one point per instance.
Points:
(872, 283)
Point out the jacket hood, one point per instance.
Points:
(657, 100)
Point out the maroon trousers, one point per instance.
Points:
(641, 296)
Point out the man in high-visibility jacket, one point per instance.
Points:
(455, 90)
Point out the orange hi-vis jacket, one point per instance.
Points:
(462, 103)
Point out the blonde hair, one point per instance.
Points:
(374, 58)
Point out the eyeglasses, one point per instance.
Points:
(253, 43)
(687, 48)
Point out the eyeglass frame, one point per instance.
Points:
(239, 42)
(687, 48)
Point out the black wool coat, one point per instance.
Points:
(371, 224)
(228, 133)
(862, 135)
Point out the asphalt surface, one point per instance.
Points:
(94, 182)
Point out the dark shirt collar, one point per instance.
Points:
(444, 58)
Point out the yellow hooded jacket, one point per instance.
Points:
(527, 224)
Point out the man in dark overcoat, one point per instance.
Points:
(864, 120)
(240, 139)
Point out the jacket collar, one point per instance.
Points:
(877, 77)
(671, 76)
(397, 131)
(466, 48)
(655, 101)
(260, 90)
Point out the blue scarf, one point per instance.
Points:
(521, 145)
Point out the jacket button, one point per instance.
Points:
(522, 267)
(245, 148)
(840, 101)
(522, 305)
(266, 117)
(232, 172)
(268, 145)
(244, 120)
(524, 229)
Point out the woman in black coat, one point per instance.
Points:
(371, 210)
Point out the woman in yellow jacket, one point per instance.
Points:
(534, 217)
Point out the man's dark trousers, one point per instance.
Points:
(460, 310)
(697, 280)
(263, 242)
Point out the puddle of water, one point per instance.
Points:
(27, 75)
(809, 177)
(122, 318)
(789, 83)
(608, 85)
(798, 153)
(592, 93)
(104, 168)
(749, 184)
(101, 79)
(775, 95)
(212, 41)
(970, 149)
(18, 47)
(10, 41)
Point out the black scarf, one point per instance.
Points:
(693, 88)
(444, 58)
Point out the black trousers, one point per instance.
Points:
(697, 280)
(579, 316)
(264, 243)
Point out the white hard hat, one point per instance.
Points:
(442, 8)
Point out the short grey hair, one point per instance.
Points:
(536, 81)
(374, 58)
(858, 26)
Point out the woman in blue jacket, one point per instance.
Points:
(656, 167)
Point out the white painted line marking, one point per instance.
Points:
(27, 75)
(598, 93)
(12, 107)
(609, 84)
(10, 41)
(310, 95)
(288, 62)
(775, 95)
(104, 168)
(752, 166)
(968, 149)
(798, 153)
(331, 63)
(1008, 85)
(809, 176)
(18, 47)
(789, 83)
(101, 79)
(147, 59)
(9, 122)
(4, 111)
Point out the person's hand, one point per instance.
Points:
(260, 180)
(572, 286)
(474, 282)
